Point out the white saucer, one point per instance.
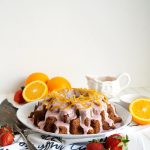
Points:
(128, 98)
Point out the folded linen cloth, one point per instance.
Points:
(46, 142)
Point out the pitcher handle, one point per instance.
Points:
(128, 80)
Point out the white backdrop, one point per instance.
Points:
(73, 38)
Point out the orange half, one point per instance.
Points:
(140, 110)
(34, 91)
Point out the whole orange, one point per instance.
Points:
(58, 83)
(36, 76)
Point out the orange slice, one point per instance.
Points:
(34, 91)
(140, 111)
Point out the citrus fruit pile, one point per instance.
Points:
(140, 110)
(38, 85)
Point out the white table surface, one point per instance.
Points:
(143, 130)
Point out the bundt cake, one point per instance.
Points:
(75, 111)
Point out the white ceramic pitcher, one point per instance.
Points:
(109, 85)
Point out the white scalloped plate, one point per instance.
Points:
(26, 109)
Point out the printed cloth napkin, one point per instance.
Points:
(46, 142)
(43, 142)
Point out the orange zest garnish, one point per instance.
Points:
(81, 98)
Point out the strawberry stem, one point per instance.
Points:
(22, 87)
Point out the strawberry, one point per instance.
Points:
(18, 97)
(94, 145)
(116, 142)
(4, 129)
(6, 138)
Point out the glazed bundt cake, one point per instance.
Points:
(75, 111)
